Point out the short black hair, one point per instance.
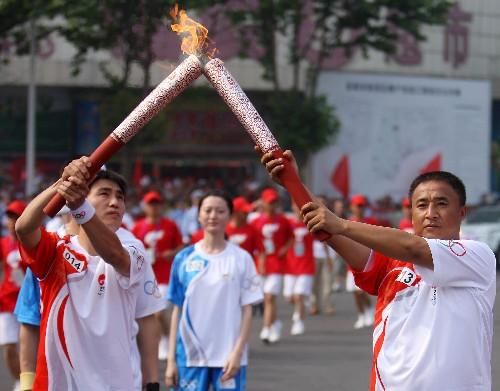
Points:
(112, 176)
(441, 176)
(218, 193)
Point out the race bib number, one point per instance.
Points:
(73, 261)
(407, 276)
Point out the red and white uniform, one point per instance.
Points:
(88, 311)
(300, 256)
(157, 238)
(245, 236)
(13, 273)
(300, 263)
(273, 233)
(433, 328)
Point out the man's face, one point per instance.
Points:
(269, 207)
(153, 209)
(358, 211)
(436, 211)
(108, 201)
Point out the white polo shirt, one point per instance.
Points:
(211, 289)
(88, 311)
(433, 328)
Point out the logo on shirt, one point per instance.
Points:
(238, 238)
(455, 247)
(151, 288)
(101, 280)
(195, 265)
(407, 276)
(72, 260)
(252, 284)
(138, 257)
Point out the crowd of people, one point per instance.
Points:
(165, 279)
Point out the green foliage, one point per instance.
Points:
(304, 121)
(114, 108)
(303, 124)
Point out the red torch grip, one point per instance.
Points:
(290, 179)
(98, 158)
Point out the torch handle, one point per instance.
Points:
(291, 180)
(100, 156)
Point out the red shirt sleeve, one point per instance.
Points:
(40, 258)
(370, 280)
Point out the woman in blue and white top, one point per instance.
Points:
(213, 285)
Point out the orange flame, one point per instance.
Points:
(194, 35)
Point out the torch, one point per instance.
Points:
(232, 94)
(181, 77)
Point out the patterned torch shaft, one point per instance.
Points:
(182, 76)
(231, 92)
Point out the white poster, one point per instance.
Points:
(393, 128)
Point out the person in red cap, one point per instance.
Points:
(275, 238)
(162, 240)
(363, 303)
(300, 269)
(405, 223)
(238, 231)
(13, 274)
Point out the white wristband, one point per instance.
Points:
(83, 213)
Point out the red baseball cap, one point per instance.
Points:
(269, 195)
(16, 207)
(406, 202)
(359, 200)
(152, 196)
(240, 204)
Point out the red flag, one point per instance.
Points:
(137, 175)
(433, 165)
(340, 176)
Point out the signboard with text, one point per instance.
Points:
(393, 128)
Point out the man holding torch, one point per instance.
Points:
(434, 314)
(89, 283)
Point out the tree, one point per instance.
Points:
(315, 30)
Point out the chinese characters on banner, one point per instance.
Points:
(407, 51)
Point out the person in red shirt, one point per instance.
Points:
(13, 274)
(275, 238)
(405, 223)
(361, 299)
(162, 240)
(238, 231)
(300, 268)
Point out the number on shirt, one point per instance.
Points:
(70, 258)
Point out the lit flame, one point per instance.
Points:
(194, 35)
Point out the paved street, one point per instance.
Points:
(330, 356)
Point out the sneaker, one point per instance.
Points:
(163, 348)
(360, 322)
(295, 316)
(275, 332)
(297, 328)
(264, 334)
